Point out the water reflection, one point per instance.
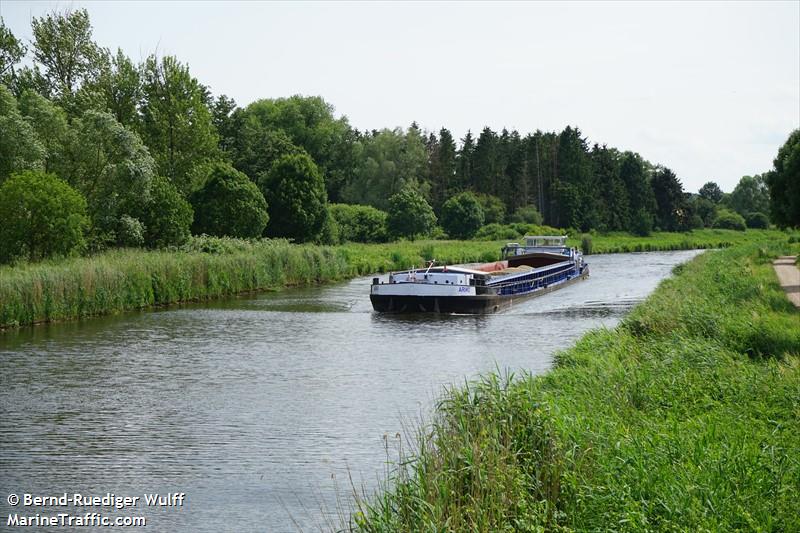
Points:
(260, 407)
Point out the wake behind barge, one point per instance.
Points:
(541, 265)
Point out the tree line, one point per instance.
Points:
(115, 153)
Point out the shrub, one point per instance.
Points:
(527, 214)
(757, 220)
(229, 205)
(129, 232)
(297, 198)
(331, 232)
(409, 214)
(462, 216)
(359, 223)
(494, 210)
(167, 217)
(496, 232)
(727, 219)
(41, 216)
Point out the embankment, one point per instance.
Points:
(684, 418)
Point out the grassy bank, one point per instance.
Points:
(684, 418)
(208, 268)
(618, 242)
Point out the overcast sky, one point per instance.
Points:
(710, 90)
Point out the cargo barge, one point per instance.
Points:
(543, 264)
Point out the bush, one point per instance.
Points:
(129, 232)
(409, 214)
(359, 223)
(462, 216)
(330, 231)
(727, 219)
(496, 232)
(167, 217)
(494, 210)
(297, 198)
(528, 215)
(229, 205)
(499, 232)
(41, 216)
(757, 220)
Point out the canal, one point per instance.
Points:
(262, 409)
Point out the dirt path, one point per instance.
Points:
(789, 277)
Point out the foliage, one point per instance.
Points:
(784, 183)
(12, 50)
(167, 216)
(176, 122)
(359, 223)
(20, 148)
(63, 46)
(669, 198)
(750, 194)
(390, 161)
(50, 125)
(641, 223)
(110, 166)
(297, 198)
(756, 220)
(527, 214)
(307, 123)
(120, 88)
(494, 210)
(228, 205)
(409, 215)
(516, 230)
(727, 219)
(710, 191)
(462, 216)
(627, 421)
(129, 232)
(42, 217)
(705, 209)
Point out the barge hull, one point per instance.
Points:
(471, 305)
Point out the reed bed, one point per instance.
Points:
(686, 417)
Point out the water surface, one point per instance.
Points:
(262, 408)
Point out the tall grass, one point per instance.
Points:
(684, 418)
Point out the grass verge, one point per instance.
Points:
(684, 418)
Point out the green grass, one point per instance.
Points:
(207, 268)
(618, 242)
(684, 418)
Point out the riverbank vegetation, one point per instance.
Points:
(686, 417)
(205, 268)
(156, 156)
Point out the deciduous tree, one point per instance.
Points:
(410, 214)
(228, 205)
(297, 198)
(42, 216)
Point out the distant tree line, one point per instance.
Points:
(143, 154)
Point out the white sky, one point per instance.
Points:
(709, 89)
